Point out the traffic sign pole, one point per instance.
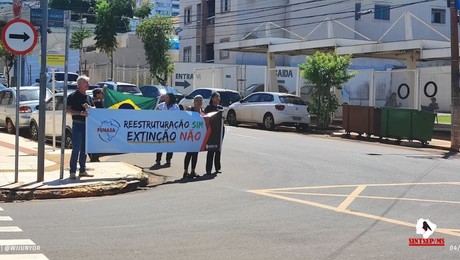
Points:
(42, 96)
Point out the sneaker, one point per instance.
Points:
(194, 175)
(185, 175)
(155, 166)
(73, 176)
(85, 174)
(218, 171)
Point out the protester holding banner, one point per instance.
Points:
(193, 156)
(98, 100)
(214, 105)
(168, 104)
(77, 103)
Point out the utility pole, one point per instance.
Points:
(455, 91)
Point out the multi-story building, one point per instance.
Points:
(163, 7)
(205, 23)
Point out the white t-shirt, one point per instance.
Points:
(163, 106)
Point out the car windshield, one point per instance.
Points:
(32, 94)
(132, 89)
(227, 98)
(292, 100)
(174, 91)
(70, 77)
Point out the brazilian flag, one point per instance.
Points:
(117, 100)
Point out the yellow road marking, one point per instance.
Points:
(311, 203)
(276, 193)
(367, 197)
(351, 198)
(368, 185)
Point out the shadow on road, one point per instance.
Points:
(205, 177)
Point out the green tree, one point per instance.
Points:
(122, 10)
(325, 71)
(76, 41)
(105, 31)
(143, 11)
(155, 34)
(109, 16)
(6, 56)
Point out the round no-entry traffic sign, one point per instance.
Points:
(19, 36)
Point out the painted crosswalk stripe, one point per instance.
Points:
(16, 242)
(5, 218)
(24, 257)
(10, 229)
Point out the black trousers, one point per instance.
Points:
(210, 157)
(193, 157)
(168, 157)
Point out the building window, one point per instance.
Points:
(198, 13)
(438, 16)
(224, 54)
(210, 52)
(198, 53)
(382, 12)
(187, 54)
(225, 6)
(188, 15)
(357, 11)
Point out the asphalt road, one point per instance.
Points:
(282, 195)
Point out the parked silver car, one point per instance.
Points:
(3, 80)
(28, 100)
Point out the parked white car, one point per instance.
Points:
(126, 88)
(53, 121)
(270, 109)
(28, 100)
(58, 80)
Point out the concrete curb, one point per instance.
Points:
(92, 190)
(415, 144)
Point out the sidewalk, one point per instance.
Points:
(109, 177)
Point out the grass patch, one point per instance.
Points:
(444, 119)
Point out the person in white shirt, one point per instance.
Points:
(168, 104)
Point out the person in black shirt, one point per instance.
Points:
(98, 100)
(193, 156)
(214, 105)
(77, 103)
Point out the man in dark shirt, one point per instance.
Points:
(77, 103)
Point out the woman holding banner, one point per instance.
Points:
(168, 104)
(193, 156)
(214, 105)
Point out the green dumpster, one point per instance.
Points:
(404, 123)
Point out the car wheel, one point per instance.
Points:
(33, 131)
(269, 122)
(68, 139)
(231, 118)
(301, 128)
(10, 126)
